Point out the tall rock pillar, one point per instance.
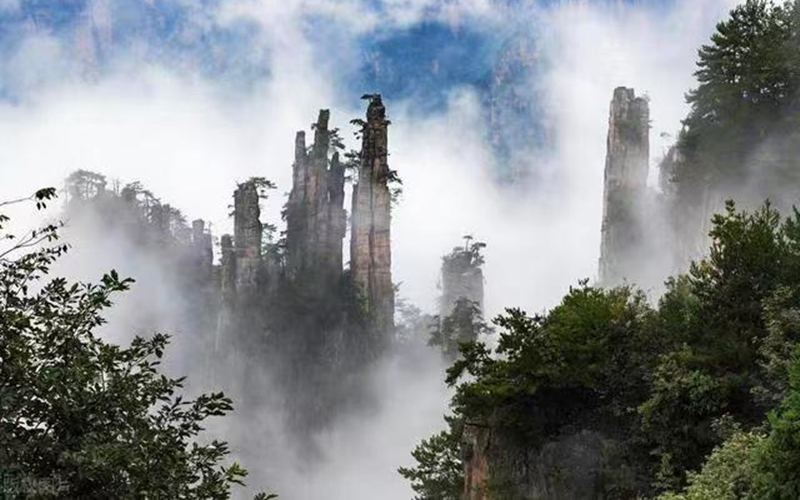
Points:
(315, 216)
(462, 278)
(203, 253)
(626, 170)
(370, 239)
(247, 231)
(461, 305)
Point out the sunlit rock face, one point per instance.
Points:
(370, 239)
(624, 202)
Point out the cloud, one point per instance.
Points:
(189, 139)
(360, 16)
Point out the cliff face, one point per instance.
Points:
(689, 211)
(579, 465)
(315, 216)
(370, 240)
(625, 190)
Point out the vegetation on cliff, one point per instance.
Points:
(696, 388)
(743, 126)
(713, 354)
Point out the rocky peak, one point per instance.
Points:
(370, 250)
(315, 215)
(625, 190)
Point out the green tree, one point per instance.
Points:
(746, 80)
(589, 351)
(88, 418)
(438, 474)
(464, 324)
(761, 464)
(778, 461)
(717, 349)
(730, 320)
(727, 474)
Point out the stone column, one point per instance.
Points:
(370, 250)
(626, 170)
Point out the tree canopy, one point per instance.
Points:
(83, 418)
(715, 352)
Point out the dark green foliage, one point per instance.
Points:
(715, 351)
(438, 474)
(744, 109)
(84, 418)
(591, 347)
(717, 348)
(757, 464)
(778, 460)
(464, 324)
(730, 314)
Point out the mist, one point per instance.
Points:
(190, 137)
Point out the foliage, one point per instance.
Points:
(262, 184)
(84, 185)
(717, 348)
(470, 256)
(96, 419)
(730, 316)
(728, 472)
(779, 459)
(464, 324)
(583, 346)
(748, 82)
(438, 474)
(756, 464)
(718, 345)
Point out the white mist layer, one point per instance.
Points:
(189, 144)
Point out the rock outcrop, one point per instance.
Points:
(578, 465)
(247, 233)
(370, 238)
(202, 250)
(461, 303)
(462, 278)
(315, 216)
(626, 170)
(289, 305)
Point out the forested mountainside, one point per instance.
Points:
(609, 395)
(634, 385)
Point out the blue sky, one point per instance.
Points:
(184, 34)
